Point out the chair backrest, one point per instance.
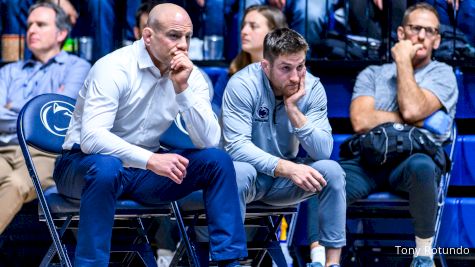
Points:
(44, 120)
(450, 144)
(42, 124)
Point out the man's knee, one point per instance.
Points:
(215, 157)
(331, 172)
(245, 176)
(422, 168)
(104, 171)
(20, 185)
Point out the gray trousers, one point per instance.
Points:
(281, 191)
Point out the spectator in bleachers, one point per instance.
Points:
(49, 70)
(465, 15)
(99, 20)
(210, 16)
(215, 13)
(256, 23)
(130, 98)
(269, 109)
(108, 22)
(14, 13)
(415, 90)
(13, 16)
(368, 18)
(306, 17)
(141, 18)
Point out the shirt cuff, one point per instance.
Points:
(185, 99)
(272, 165)
(141, 159)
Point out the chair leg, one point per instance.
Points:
(276, 253)
(144, 249)
(52, 249)
(193, 259)
(145, 253)
(273, 245)
(180, 250)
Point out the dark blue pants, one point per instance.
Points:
(416, 177)
(99, 180)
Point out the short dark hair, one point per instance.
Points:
(283, 41)
(144, 8)
(62, 20)
(419, 6)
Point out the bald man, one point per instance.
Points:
(112, 148)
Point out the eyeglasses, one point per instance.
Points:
(430, 31)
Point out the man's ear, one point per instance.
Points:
(147, 35)
(265, 64)
(401, 35)
(62, 36)
(436, 41)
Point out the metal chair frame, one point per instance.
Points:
(53, 207)
(258, 214)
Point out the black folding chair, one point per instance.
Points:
(386, 205)
(42, 124)
(258, 216)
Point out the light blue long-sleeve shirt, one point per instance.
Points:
(20, 81)
(256, 127)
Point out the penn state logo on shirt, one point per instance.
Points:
(262, 113)
(50, 117)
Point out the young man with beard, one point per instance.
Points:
(269, 109)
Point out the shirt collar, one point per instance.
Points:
(60, 58)
(144, 59)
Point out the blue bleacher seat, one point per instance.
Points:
(463, 172)
(466, 101)
(457, 223)
(339, 93)
(466, 222)
(337, 140)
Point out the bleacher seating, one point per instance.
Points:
(457, 223)
(463, 174)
